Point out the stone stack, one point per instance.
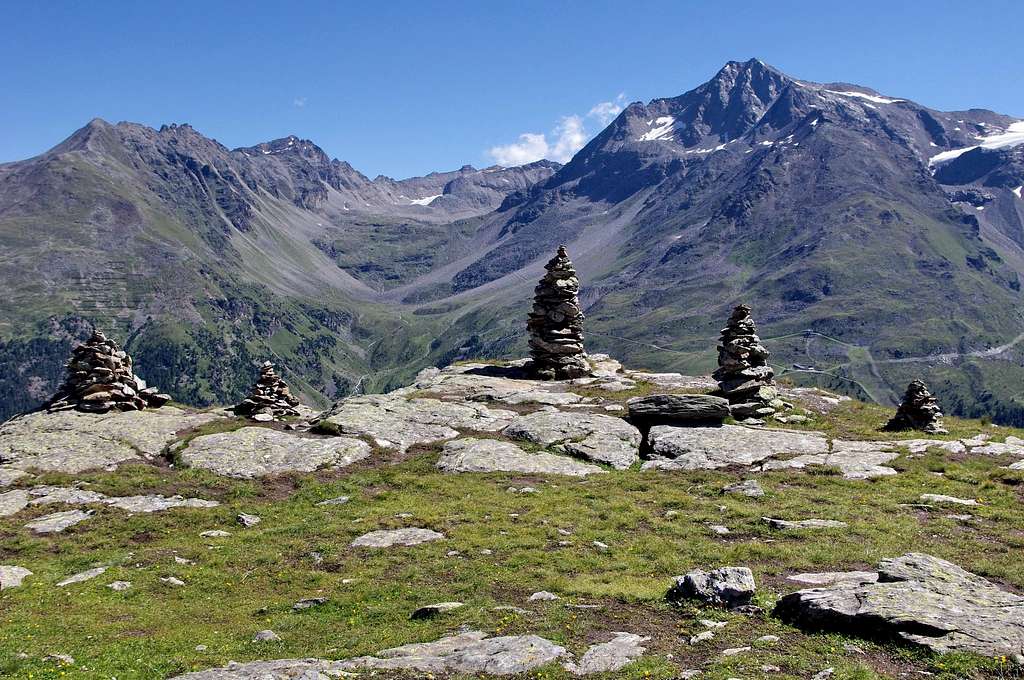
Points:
(556, 323)
(918, 411)
(744, 376)
(270, 398)
(100, 378)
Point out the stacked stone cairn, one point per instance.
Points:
(556, 323)
(100, 378)
(744, 376)
(918, 411)
(270, 398)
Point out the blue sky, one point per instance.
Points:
(402, 88)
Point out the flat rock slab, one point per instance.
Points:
(13, 501)
(9, 475)
(855, 459)
(952, 500)
(676, 381)
(11, 576)
(82, 576)
(606, 657)
(487, 383)
(259, 451)
(467, 654)
(708, 448)
(48, 495)
(921, 599)
(828, 578)
(803, 523)
(58, 521)
(73, 442)
(394, 421)
(386, 538)
(490, 455)
(594, 437)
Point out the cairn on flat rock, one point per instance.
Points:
(100, 378)
(918, 411)
(556, 323)
(270, 398)
(744, 376)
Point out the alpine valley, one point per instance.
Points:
(876, 239)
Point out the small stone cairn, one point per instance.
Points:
(918, 411)
(744, 376)
(556, 323)
(100, 378)
(270, 398)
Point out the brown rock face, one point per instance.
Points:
(556, 323)
(100, 378)
(919, 411)
(270, 398)
(744, 376)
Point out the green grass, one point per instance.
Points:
(249, 581)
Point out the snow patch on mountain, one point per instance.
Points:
(427, 200)
(869, 97)
(663, 128)
(1012, 136)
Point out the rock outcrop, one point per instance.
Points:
(270, 398)
(556, 323)
(744, 376)
(677, 409)
(100, 378)
(918, 411)
(921, 599)
(727, 587)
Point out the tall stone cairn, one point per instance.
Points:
(270, 398)
(100, 378)
(556, 323)
(918, 411)
(744, 376)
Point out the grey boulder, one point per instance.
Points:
(594, 437)
(677, 409)
(728, 587)
(490, 455)
(387, 538)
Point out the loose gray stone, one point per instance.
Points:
(702, 637)
(677, 409)
(431, 610)
(11, 576)
(215, 533)
(58, 521)
(829, 578)
(340, 500)
(247, 520)
(172, 581)
(728, 586)
(803, 523)
(939, 498)
(592, 436)
(921, 599)
(707, 448)
(748, 487)
(607, 657)
(259, 451)
(489, 455)
(309, 603)
(82, 576)
(119, 585)
(542, 596)
(266, 636)
(387, 538)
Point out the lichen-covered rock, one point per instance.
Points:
(259, 451)
(467, 654)
(13, 501)
(58, 521)
(395, 422)
(727, 586)
(855, 459)
(11, 576)
(488, 383)
(919, 598)
(607, 657)
(73, 442)
(490, 455)
(708, 448)
(386, 538)
(594, 437)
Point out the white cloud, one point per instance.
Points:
(299, 102)
(605, 112)
(568, 137)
